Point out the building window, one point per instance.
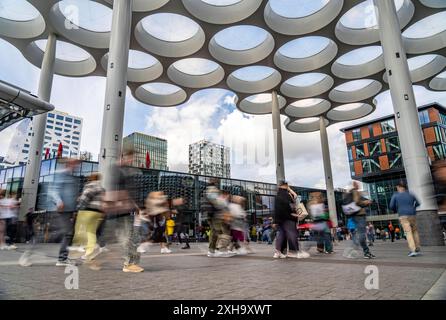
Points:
(360, 153)
(58, 129)
(66, 130)
(58, 117)
(68, 125)
(374, 165)
(356, 134)
(352, 169)
(77, 121)
(442, 118)
(439, 152)
(423, 116)
(388, 126)
(59, 123)
(395, 161)
(50, 115)
(25, 151)
(68, 119)
(47, 138)
(440, 134)
(50, 127)
(392, 144)
(366, 166)
(75, 143)
(375, 148)
(50, 121)
(350, 154)
(26, 145)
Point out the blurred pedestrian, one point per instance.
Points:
(405, 203)
(284, 209)
(89, 217)
(157, 207)
(238, 224)
(391, 229)
(9, 208)
(320, 216)
(179, 208)
(64, 191)
(354, 204)
(371, 233)
(216, 207)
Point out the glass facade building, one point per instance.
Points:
(144, 144)
(259, 195)
(375, 158)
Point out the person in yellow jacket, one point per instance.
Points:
(170, 228)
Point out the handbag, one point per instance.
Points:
(301, 212)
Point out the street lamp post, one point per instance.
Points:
(413, 148)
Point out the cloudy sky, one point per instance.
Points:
(209, 114)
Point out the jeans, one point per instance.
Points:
(360, 222)
(287, 232)
(409, 224)
(267, 236)
(323, 234)
(371, 237)
(67, 221)
(133, 256)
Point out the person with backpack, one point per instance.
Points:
(353, 205)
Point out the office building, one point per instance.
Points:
(209, 159)
(60, 128)
(375, 158)
(150, 151)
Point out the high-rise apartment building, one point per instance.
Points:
(61, 128)
(149, 150)
(209, 159)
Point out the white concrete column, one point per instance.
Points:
(32, 174)
(413, 149)
(113, 119)
(328, 173)
(278, 147)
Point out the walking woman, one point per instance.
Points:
(90, 216)
(286, 222)
(321, 219)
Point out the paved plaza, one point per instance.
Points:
(189, 274)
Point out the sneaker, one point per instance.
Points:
(65, 263)
(223, 254)
(369, 256)
(303, 254)
(24, 262)
(134, 268)
(4, 247)
(141, 249)
(104, 249)
(242, 252)
(412, 254)
(94, 265)
(279, 255)
(186, 247)
(211, 254)
(11, 247)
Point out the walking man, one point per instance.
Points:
(404, 203)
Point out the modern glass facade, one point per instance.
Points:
(143, 144)
(375, 158)
(259, 195)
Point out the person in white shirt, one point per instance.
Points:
(9, 208)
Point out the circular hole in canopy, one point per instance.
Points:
(240, 38)
(304, 47)
(18, 10)
(141, 60)
(427, 27)
(65, 51)
(294, 9)
(306, 79)
(360, 56)
(253, 73)
(354, 85)
(362, 16)
(196, 66)
(170, 27)
(162, 89)
(87, 14)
